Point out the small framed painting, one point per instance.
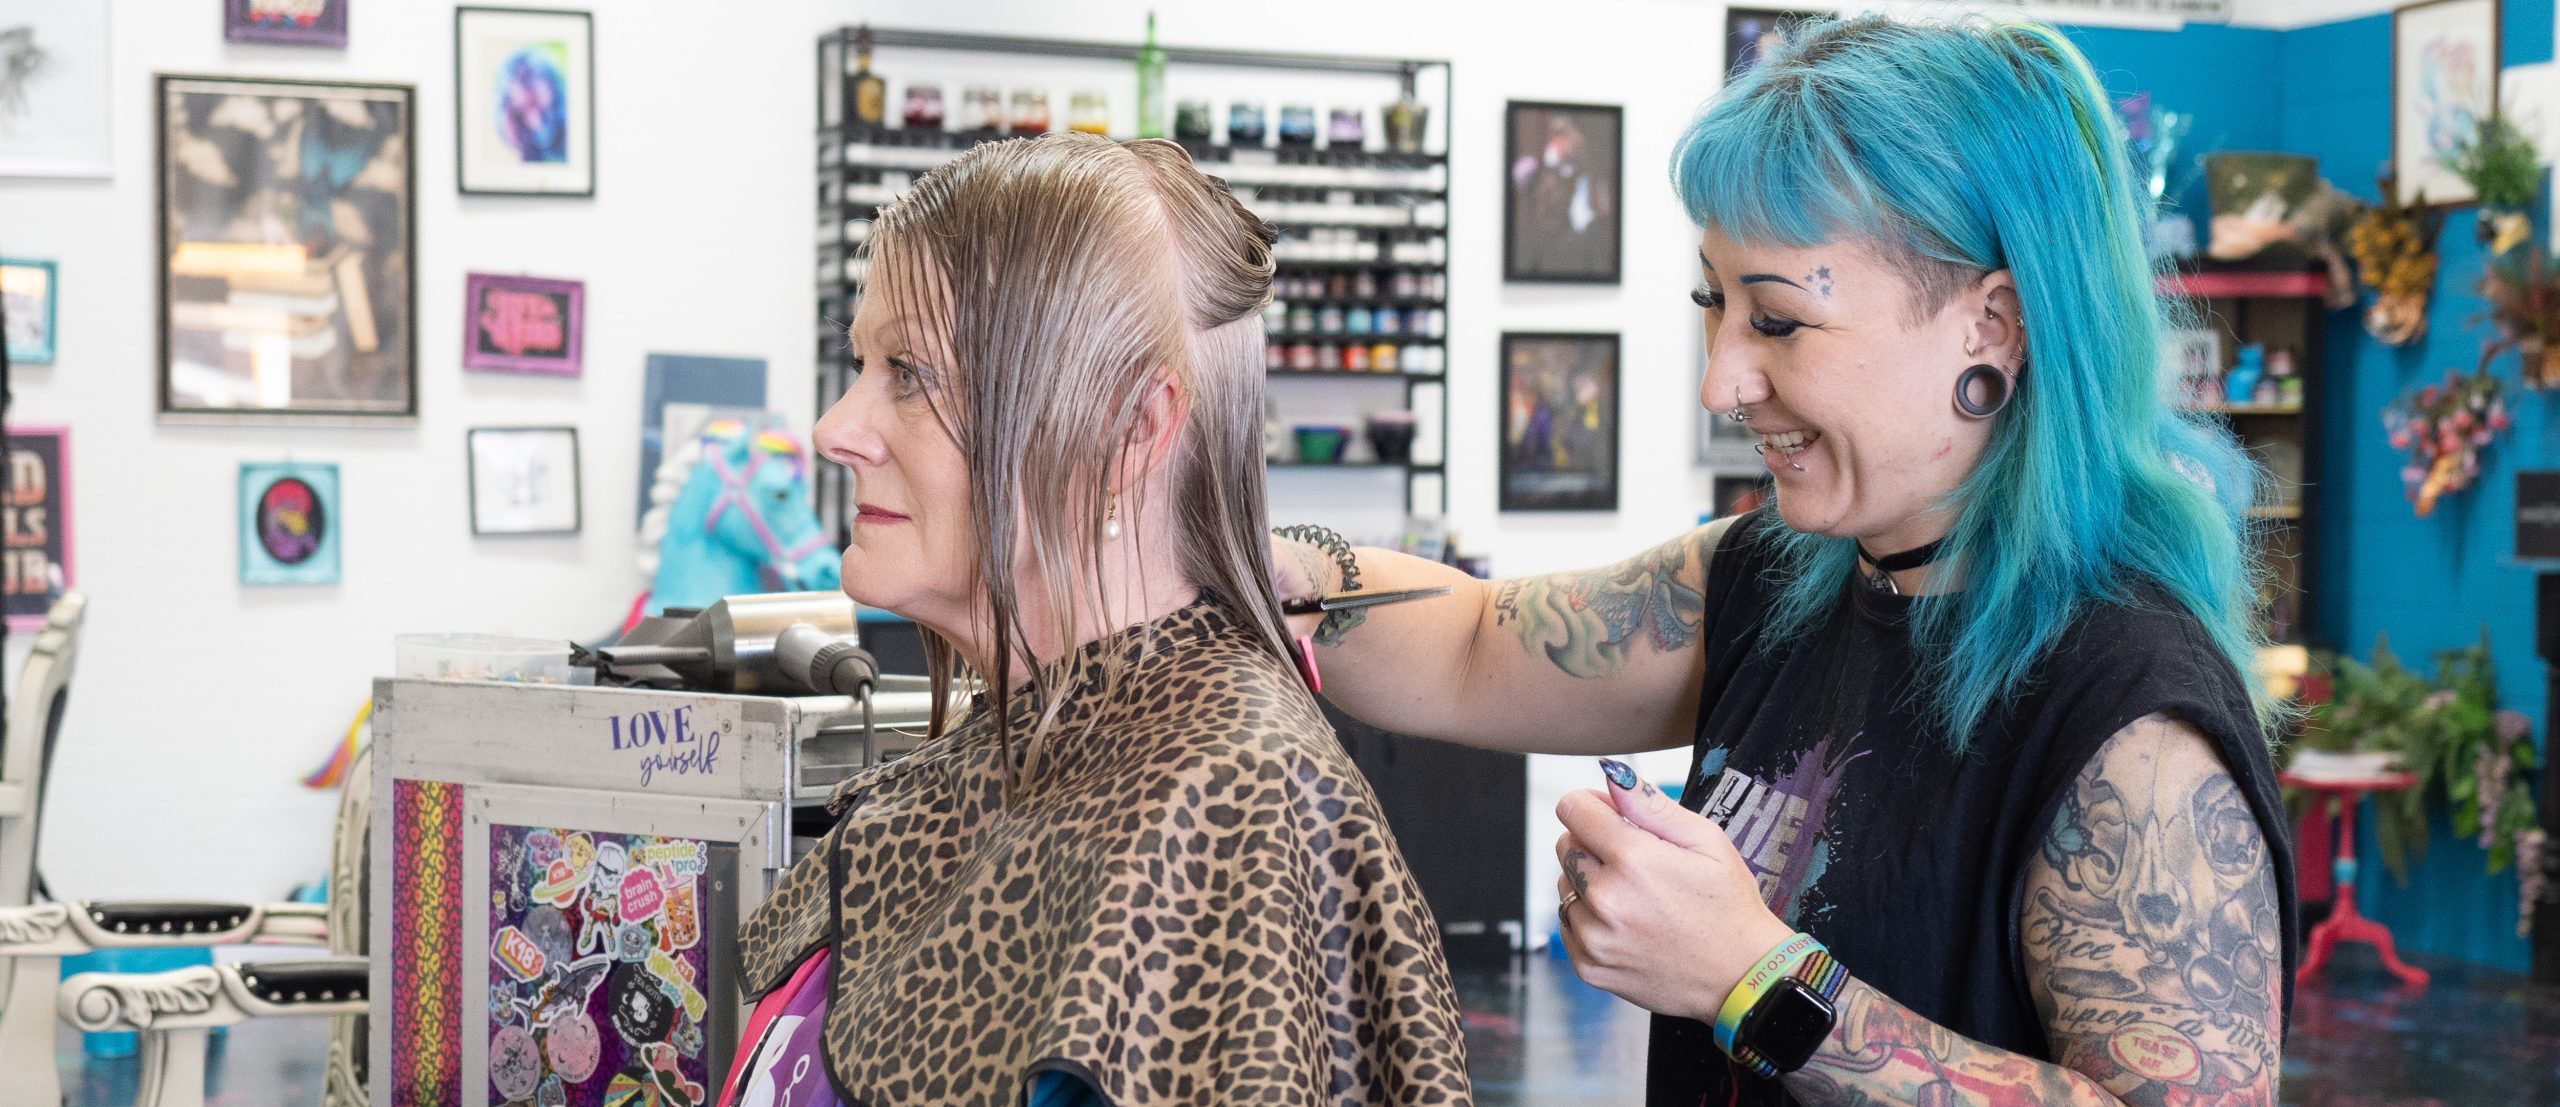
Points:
(38, 535)
(27, 298)
(1560, 192)
(524, 480)
(522, 324)
(289, 523)
(1736, 493)
(526, 102)
(286, 22)
(1750, 32)
(1559, 422)
(2444, 81)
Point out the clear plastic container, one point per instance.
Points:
(491, 657)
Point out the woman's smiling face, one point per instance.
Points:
(1850, 389)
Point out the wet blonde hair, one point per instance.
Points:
(1058, 277)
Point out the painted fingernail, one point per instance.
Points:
(1618, 773)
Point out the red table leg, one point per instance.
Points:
(2343, 923)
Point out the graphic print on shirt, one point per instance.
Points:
(1777, 824)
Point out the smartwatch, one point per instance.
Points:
(1792, 1019)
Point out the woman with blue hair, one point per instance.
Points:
(1981, 808)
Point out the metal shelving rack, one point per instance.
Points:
(1362, 202)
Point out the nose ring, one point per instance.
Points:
(1738, 414)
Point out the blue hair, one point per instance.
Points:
(1957, 149)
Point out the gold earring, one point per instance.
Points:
(1111, 520)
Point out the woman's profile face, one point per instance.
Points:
(914, 547)
(1853, 401)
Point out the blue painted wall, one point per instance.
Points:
(2432, 583)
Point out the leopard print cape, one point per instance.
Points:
(1195, 900)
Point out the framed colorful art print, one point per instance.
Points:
(526, 122)
(286, 22)
(2444, 81)
(29, 299)
(289, 523)
(1559, 422)
(1562, 167)
(523, 324)
(289, 230)
(36, 537)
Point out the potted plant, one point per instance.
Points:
(2394, 248)
(2449, 732)
(2499, 163)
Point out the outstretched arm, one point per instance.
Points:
(1599, 661)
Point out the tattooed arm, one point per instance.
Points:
(1601, 661)
(2152, 945)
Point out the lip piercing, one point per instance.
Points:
(1762, 448)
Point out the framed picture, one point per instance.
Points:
(286, 22)
(1748, 31)
(526, 122)
(669, 383)
(2444, 81)
(1559, 422)
(1736, 493)
(524, 480)
(288, 224)
(53, 90)
(28, 298)
(523, 324)
(1560, 195)
(37, 539)
(289, 523)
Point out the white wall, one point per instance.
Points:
(202, 701)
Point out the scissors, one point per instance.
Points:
(1344, 601)
(1305, 652)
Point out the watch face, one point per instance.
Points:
(1788, 1024)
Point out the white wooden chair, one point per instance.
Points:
(170, 1011)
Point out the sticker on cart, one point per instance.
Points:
(641, 896)
(678, 980)
(628, 908)
(517, 954)
(515, 1066)
(680, 920)
(574, 1046)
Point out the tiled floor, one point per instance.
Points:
(1537, 1036)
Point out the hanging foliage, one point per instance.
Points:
(2524, 306)
(2394, 248)
(2500, 163)
(2444, 427)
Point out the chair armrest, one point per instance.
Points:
(71, 929)
(212, 995)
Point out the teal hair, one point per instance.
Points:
(1956, 149)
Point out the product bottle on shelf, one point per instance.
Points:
(870, 97)
(1151, 84)
(1405, 119)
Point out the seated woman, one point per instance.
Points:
(1140, 870)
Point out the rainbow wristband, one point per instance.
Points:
(1776, 965)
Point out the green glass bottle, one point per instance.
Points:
(1151, 84)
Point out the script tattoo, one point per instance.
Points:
(2152, 944)
(1320, 569)
(1588, 623)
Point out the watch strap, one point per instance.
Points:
(1776, 965)
(1820, 974)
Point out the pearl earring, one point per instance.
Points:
(1111, 520)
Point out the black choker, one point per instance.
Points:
(1882, 578)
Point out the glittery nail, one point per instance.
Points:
(1618, 773)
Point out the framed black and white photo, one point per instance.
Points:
(288, 231)
(525, 100)
(54, 92)
(1560, 192)
(524, 480)
(1559, 422)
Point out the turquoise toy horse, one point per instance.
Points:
(731, 515)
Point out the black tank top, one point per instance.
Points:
(1903, 858)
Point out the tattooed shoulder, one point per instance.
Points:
(2151, 931)
(1590, 623)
